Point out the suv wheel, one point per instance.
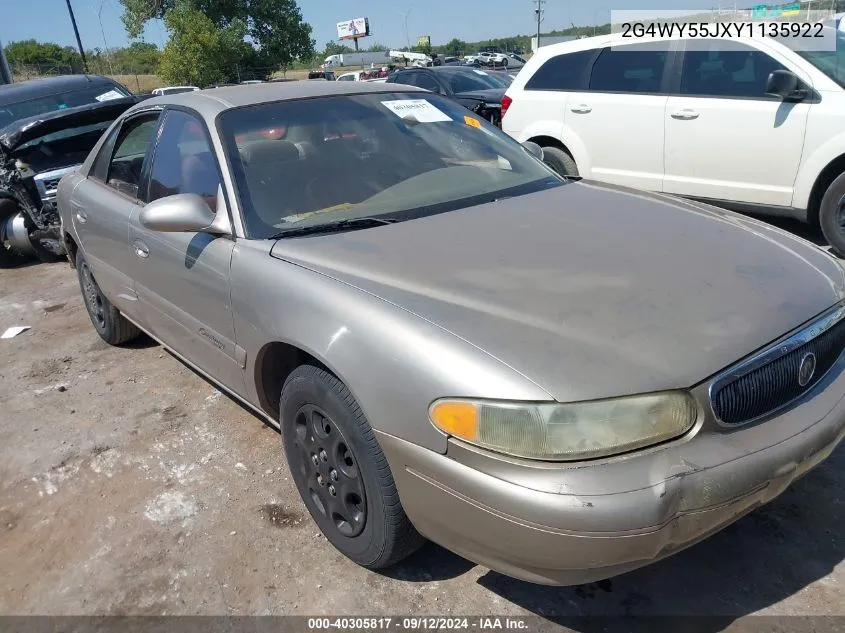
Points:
(560, 161)
(832, 215)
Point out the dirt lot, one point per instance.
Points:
(130, 485)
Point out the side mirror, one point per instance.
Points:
(181, 213)
(784, 84)
(535, 150)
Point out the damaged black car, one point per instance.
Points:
(477, 90)
(35, 153)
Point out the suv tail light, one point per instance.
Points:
(506, 103)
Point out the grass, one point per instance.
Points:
(140, 83)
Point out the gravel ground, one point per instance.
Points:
(129, 485)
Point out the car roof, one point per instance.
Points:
(211, 101)
(47, 86)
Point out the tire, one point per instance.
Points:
(560, 161)
(9, 257)
(505, 63)
(112, 327)
(831, 218)
(361, 515)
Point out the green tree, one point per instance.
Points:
(42, 55)
(199, 53)
(333, 48)
(377, 48)
(138, 57)
(274, 26)
(454, 47)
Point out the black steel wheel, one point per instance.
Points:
(112, 327)
(340, 471)
(330, 469)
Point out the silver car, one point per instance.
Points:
(557, 379)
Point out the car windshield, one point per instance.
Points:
(11, 112)
(469, 80)
(830, 62)
(393, 156)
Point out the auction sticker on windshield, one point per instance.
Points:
(422, 110)
(108, 96)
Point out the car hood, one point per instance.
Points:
(589, 290)
(493, 95)
(24, 130)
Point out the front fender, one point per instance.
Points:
(814, 164)
(394, 362)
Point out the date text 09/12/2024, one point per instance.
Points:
(421, 623)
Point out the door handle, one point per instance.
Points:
(81, 214)
(141, 249)
(581, 108)
(685, 115)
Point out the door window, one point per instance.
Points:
(184, 161)
(133, 141)
(726, 69)
(563, 72)
(632, 69)
(426, 81)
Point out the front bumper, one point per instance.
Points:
(570, 524)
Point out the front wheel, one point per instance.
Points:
(340, 470)
(110, 324)
(832, 215)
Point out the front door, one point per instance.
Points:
(725, 138)
(182, 279)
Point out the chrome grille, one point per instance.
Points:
(770, 380)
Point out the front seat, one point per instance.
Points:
(275, 171)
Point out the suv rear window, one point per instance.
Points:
(564, 72)
(631, 69)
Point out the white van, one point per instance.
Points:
(752, 124)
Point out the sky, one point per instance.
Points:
(100, 26)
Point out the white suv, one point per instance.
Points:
(752, 124)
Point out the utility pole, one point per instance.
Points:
(538, 13)
(78, 40)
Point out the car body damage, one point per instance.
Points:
(35, 153)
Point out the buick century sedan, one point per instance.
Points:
(557, 379)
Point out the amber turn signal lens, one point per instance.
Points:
(459, 419)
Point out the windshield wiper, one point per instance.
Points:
(350, 224)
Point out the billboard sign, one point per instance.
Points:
(424, 41)
(353, 29)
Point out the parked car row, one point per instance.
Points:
(564, 380)
(752, 124)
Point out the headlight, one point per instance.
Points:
(567, 432)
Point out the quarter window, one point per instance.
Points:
(184, 161)
(124, 168)
(632, 69)
(730, 69)
(564, 72)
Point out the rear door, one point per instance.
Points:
(618, 123)
(102, 204)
